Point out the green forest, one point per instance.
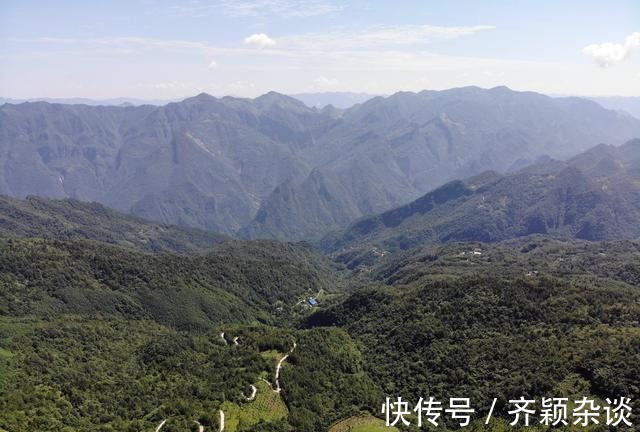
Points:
(96, 335)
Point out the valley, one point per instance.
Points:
(110, 337)
(319, 216)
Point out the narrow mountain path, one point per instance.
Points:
(270, 385)
(221, 421)
(278, 389)
(161, 425)
(254, 391)
(223, 338)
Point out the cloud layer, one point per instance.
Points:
(379, 37)
(284, 8)
(253, 8)
(608, 53)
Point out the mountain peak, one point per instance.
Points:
(199, 98)
(203, 97)
(272, 98)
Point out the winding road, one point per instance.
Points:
(254, 389)
(278, 389)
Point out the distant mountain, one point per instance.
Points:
(70, 219)
(629, 105)
(340, 100)
(121, 101)
(388, 151)
(203, 162)
(593, 196)
(271, 167)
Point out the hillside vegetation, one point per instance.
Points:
(236, 282)
(529, 318)
(70, 219)
(103, 337)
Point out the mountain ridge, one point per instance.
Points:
(592, 196)
(222, 164)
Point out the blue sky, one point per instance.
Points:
(160, 49)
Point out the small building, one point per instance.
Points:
(312, 302)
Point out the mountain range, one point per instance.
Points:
(340, 100)
(592, 196)
(109, 322)
(271, 167)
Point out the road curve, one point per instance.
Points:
(254, 391)
(200, 427)
(160, 425)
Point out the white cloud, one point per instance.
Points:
(608, 53)
(213, 64)
(374, 38)
(260, 39)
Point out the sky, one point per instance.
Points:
(167, 49)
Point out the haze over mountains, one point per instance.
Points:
(124, 101)
(271, 167)
(629, 105)
(593, 196)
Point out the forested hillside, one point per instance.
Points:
(70, 219)
(529, 318)
(237, 282)
(101, 337)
